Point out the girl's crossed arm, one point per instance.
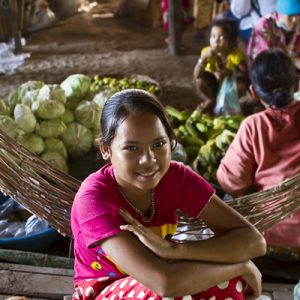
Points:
(175, 278)
(194, 266)
(236, 240)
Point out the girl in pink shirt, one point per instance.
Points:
(266, 149)
(123, 214)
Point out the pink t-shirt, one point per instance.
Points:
(265, 151)
(95, 216)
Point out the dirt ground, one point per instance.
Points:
(99, 43)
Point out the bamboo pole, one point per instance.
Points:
(174, 21)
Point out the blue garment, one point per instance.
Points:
(288, 7)
(243, 33)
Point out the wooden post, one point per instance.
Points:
(14, 11)
(22, 16)
(174, 21)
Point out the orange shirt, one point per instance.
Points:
(265, 151)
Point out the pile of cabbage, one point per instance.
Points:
(55, 121)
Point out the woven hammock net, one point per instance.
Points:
(48, 193)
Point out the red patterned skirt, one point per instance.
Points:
(129, 288)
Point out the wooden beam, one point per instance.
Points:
(36, 282)
(174, 22)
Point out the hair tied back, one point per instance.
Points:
(275, 91)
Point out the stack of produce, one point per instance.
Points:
(60, 121)
(203, 140)
(124, 83)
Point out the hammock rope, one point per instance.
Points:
(48, 193)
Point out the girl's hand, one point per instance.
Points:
(155, 243)
(208, 53)
(222, 73)
(252, 278)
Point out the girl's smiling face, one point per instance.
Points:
(218, 40)
(140, 152)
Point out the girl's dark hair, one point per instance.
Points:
(125, 103)
(273, 75)
(230, 28)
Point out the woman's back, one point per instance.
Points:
(265, 152)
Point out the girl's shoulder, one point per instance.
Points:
(105, 172)
(177, 167)
(179, 172)
(205, 49)
(104, 177)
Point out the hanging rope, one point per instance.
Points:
(48, 193)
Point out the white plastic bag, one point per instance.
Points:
(227, 98)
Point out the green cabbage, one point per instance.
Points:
(88, 113)
(49, 129)
(56, 160)
(77, 139)
(76, 86)
(68, 116)
(25, 118)
(26, 94)
(4, 108)
(48, 109)
(53, 144)
(71, 105)
(9, 126)
(52, 92)
(32, 142)
(102, 96)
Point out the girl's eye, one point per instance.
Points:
(131, 148)
(159, 144)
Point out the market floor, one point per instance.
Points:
(97, 43)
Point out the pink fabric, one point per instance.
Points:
(95, 216)
(265, 151)
(186, 10)
(267, 34)
(129, 288)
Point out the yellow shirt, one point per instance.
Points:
(234, 58)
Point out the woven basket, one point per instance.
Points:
(49, 193)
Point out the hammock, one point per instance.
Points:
(48, 193)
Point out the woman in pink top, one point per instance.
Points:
(142, 187)
(266, 149)
(279, 30)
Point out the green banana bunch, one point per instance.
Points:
(204, 138)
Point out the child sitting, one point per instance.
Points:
(221, 74)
